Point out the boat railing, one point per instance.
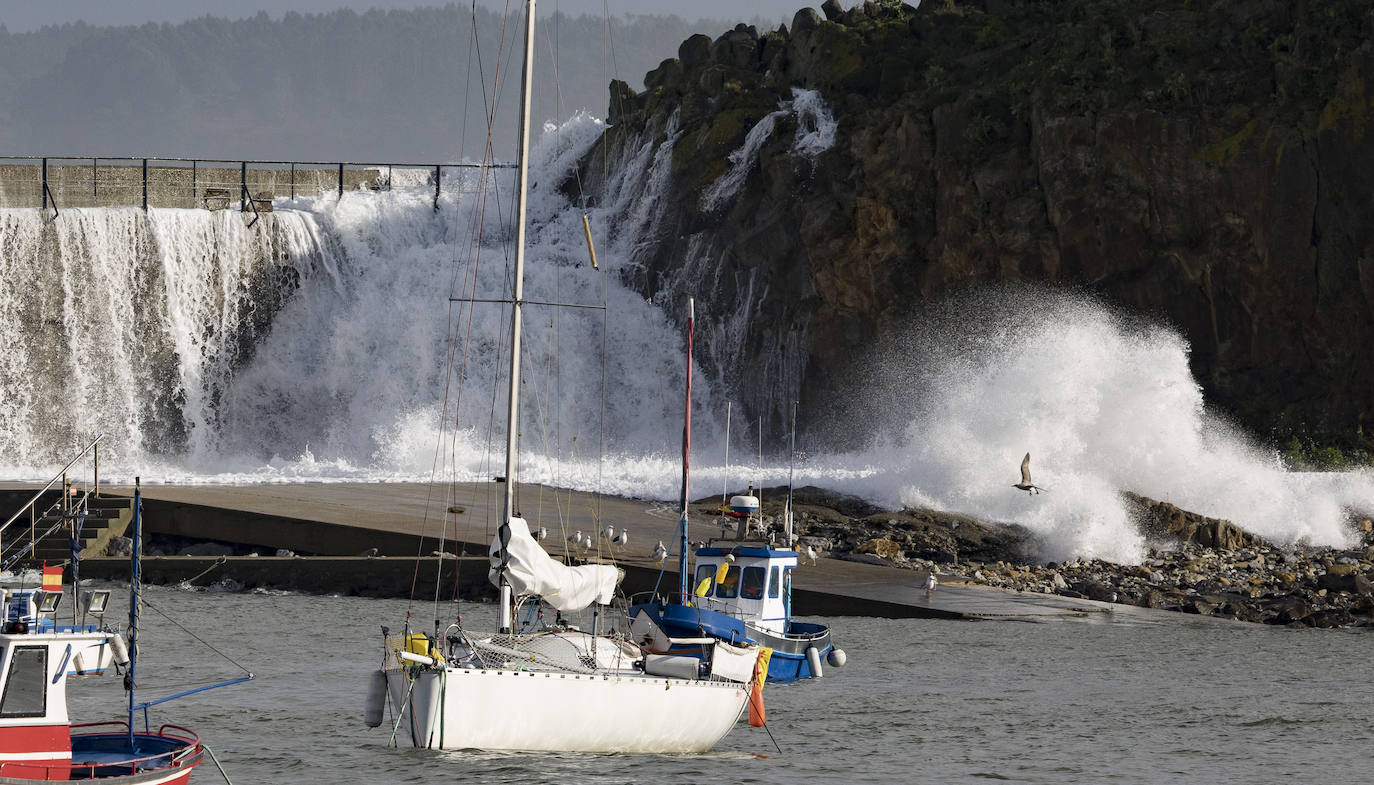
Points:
(669, 598)
(66, 502)
(93, 769)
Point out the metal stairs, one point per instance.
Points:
(107, 517)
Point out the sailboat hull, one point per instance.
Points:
(469, 708)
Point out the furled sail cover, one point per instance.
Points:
(530, 570)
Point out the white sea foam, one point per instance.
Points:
(815, 133)
(816, 125)
(1102, 403)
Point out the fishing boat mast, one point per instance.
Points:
(136, 557)
(686, 455)
(791, 468)
(517, 295)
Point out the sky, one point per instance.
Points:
(19, 16)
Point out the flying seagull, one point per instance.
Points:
(1026, 485)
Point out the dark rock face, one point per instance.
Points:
(1161, 520)
(1205, 164)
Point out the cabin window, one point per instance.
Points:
(706, 572)
(729, 587)
(751, 588)
(775, 582)
(26, 684)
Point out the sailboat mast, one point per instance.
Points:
(517, 296)
(686, 455)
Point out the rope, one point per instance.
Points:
(400, 711)
(222, 772)
(221, 560)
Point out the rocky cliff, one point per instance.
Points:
(1203, 164)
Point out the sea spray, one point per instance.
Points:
(316, 346)
(1103, 402)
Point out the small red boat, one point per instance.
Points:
(38, 743)
(39, 657)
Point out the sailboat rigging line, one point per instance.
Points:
(203, 642)
(508, 301)
(471, 279)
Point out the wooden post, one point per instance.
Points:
(145, 184)
(193, 184)
(243, 187)
(340, 181)
(438, 176)
(95, 450)
(45, 183)
(94, 175)
(293, 181)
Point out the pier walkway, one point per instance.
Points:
(399, 524)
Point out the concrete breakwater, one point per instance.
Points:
(393, 523)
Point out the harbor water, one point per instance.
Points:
(1167, 700)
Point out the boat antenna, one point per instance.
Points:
(791, 468)
(135, 559)
(686, 455)
(725, 483)
(513, 398)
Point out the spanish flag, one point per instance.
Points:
(52, 578)
(757, 716)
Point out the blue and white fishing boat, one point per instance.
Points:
(742, 593)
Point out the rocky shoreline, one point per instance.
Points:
(1194, 564)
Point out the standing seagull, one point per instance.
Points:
(621, 539)
(1026, 484)
(930, 584)
(660, 553)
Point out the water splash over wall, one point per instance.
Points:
(315, 346)
(130, 323)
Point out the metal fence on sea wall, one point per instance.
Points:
(53, 184)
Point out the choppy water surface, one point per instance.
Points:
(920, 701)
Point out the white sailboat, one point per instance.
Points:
(555, 688)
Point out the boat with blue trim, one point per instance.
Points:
(39, 656)
(743, 593)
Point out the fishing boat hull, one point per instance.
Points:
(546, 711)
(791, 659)
(155, 759)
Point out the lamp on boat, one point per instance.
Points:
(94, 602)
(47, 602)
